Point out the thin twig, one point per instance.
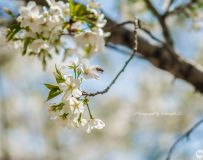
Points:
(180, 9)
(153, 9)
(185, 135)
(169, 5)
(113, 81)
(144, 30)
(140, 26)
(168, 47)
(90, 114)
(151, 35)
(136, 25)
(162, 22)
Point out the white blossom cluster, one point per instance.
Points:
(43, 30)
(7, 47)
(76, 31)
(69, 111)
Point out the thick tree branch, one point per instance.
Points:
(159, 56)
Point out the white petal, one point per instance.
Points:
(77, 93)
(66, 97)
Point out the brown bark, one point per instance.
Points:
(160, 57)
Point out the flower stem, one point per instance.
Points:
(75, 72)
(91, 117)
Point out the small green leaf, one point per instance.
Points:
(51, 86)
(78, 12)
(9, 12)
(53, 93)
(79, 73)
(27, 42)
(71, 3)
(44, 62)
(58, 71)
(13, 29)
(58, 76)
(57, 106)
(71, 67)
(79, 118)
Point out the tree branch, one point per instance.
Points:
(180, 9)
(159, 56)
(185, 135)
(169, 5)
(161, 19)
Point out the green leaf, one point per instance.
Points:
(9, 12)
(44, 55)
(79, 73)
(71, 7)
(58, 76)
(79, 118)
(13, 29)
(79, 12)
(58, 71)
(53, 93)
(57, 106)
(71, 67)
(27, 42)
(51, 86)
(44, 62)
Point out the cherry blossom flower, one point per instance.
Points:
(29, 16)
(91, 42)
(94, 124)
(90, 72)
(70, 88)
(38, 45)
(76, 106)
